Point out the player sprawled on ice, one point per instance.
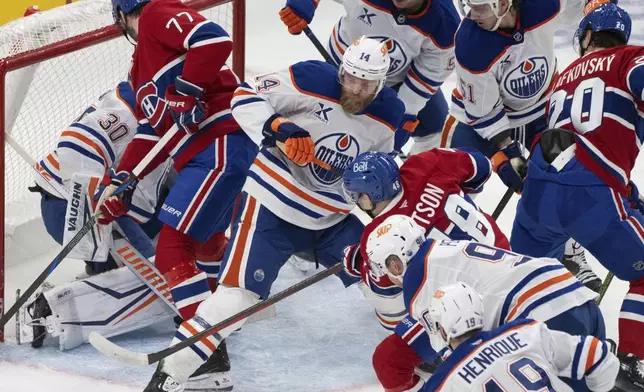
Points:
(67, 179)
(513, 286)
(419, 35)
(183, 88)
(432, 188)
(506, 67)
(313, 121)
(579, 179)
(521, 355)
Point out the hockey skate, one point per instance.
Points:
(212, 376)
(631, 373)
(32, 319)
(575, 261)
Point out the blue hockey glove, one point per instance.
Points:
(297, 14)
(113, 206)
(404, 132)
(511, 166)
(634, 198)
(184, 101)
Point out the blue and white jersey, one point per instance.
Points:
(96, 142)
(421, 45)
(505, 78)
(525, 355)
(513, 286)
(308, 94)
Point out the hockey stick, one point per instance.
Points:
(504, 201)
(604, 287)
(318, 45)
(86, 228)
(119, 353)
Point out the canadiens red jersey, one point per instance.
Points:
(175, 40)
(434, 192)
(599, 97)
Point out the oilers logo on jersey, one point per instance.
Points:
(338, 150)
(399, 60)
(528, 78)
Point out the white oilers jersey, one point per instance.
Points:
(421, 45)
(513, 286)
(95, 142)
(525, 355)
(505, 77)
(308, 94)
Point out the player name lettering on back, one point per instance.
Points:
(588, 67)
(486, 358)
(430, 199)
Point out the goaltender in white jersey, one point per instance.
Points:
(521, 355)
(116, 301)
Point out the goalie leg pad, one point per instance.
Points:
(223, 303)
(111, 303)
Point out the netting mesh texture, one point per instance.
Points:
(41, 100)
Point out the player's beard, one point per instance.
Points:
(354, 103)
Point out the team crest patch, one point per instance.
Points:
(528, 79)
(153, 106)
(322, 112)
(399, 60)
(338, 150)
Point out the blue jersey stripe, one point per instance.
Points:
(291, 203)
(486, 123)
(416, 90)
(424, 78)
(82, 151)
(246, 101)
(51, 173)
(550, 297)
(576, 357)
(207, 31)
(521, 285)
(98, 136)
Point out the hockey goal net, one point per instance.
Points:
(52, 66)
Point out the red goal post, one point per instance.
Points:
(73, 47)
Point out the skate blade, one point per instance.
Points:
(210, 382)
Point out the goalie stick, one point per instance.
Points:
(135, 358)
(158, 147)
(502, 203)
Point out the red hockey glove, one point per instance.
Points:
(294, 141)
(297, 14)
(184, 101)
(352, 260)
(112, 207)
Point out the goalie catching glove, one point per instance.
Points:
(184, 101)
(298, 145)
(112, 207)
(510, 165)
(297, 14)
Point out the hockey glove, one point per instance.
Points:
(184, 101)
(113, 206)
(352, 260)
(511, 166)
(404, 132)
(297, 14)
(635, 199)
(297, 143)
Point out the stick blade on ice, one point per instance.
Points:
(114, 351)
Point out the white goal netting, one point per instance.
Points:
(43, 98)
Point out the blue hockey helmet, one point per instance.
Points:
(606, 17)
(126, 6)
(373, 173)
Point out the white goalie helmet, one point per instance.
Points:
(476, 9)
(458, 308)
(398, 235)
(366, 59)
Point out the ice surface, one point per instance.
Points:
(321, 338)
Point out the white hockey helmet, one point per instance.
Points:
(479, 11)
(458, 309)
(398, 235)
(366, 59)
